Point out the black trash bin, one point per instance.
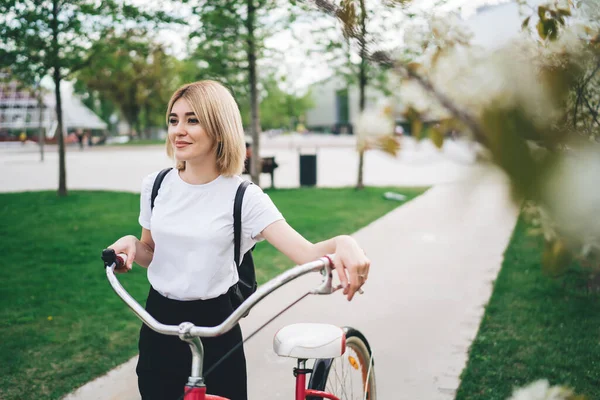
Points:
(308, 169)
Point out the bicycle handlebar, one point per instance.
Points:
(112, 260)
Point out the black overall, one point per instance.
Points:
(165, 361)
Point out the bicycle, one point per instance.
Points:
(339, 353)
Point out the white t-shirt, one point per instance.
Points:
(192, 228)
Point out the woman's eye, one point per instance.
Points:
(193, 121)
(173, 121)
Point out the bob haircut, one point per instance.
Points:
(219, 116)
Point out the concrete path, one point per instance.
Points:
(417, 164)
(433, 262)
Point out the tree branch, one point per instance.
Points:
(594, 113)
(580, 91)
(382, 58)
(78, 67)
(575, 111)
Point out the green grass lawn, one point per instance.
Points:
(61, 323)
(535, 328)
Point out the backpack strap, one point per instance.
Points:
(157, 182)
(237, 220)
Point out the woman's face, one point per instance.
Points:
(189, 140)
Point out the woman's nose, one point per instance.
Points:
(178, 130)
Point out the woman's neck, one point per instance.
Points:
(197, 174)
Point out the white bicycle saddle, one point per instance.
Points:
(310, 341)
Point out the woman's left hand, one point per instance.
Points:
(351, 264)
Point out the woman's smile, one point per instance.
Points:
(180, 144)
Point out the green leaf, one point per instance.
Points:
(347, 14)
(542, 12)
(566, 12)
(416, 128)
(437, 137)
(541, 29)
(505, 130)
(556, 258)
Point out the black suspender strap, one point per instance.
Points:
(237, 220)
(157, 182)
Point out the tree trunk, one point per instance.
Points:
(148, 123)
(255, 166)
(133, 117)
(362, 84)
(361, 162)
(131, 124)
(138, 128)
(42, 136)
(62, 173)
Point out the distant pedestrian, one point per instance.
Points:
(23, 137)
(79, 135)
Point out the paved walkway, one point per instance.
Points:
(102, 167)
(434, 260)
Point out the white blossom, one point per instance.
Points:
(373, 122)
(572, 196)
(541, 390)
(415, 36)
(535, 391)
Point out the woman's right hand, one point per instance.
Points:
(127, 245)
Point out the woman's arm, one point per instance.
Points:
(349, 258)
(141, 251)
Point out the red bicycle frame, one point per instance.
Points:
(302, 392)
(199, 393)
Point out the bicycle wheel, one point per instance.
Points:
(349, 377)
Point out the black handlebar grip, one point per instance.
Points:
(109, 257)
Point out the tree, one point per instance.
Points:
(230, 45)
(279, 109)
(52, 38)
(349, 56)
(135, 74)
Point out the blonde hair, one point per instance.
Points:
(219, 116)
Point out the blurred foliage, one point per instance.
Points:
(280, 109)
(531, 124)
(134, 73)
(528, 103)
(219, 47)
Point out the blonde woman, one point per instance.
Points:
(187, 243)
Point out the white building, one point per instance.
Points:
(337, 105)
(19, 111)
